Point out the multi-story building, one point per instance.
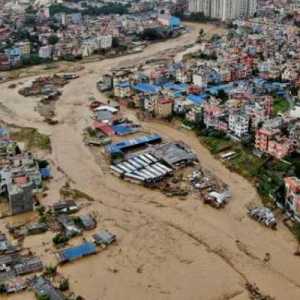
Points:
(292, 195)
(105, 41)
(20, 197)
(163, 107)
(271, 141)
(223, 9)
(25, 48)
(239, 124)
(217, 9)
(45, 51)
(122, 89)
(196, 6)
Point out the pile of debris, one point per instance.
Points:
(173, 189)
(44, 86)
(212, 191)
(216, 199)
(48, 87)
(255, 293)
(263, 215)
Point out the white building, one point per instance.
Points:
(105, 41)
(217, 9)
(224, 9)
(200, 80)
(238, 124)
(45, 51)
(196, 6)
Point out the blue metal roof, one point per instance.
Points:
(175, 86)
(122, 146)
(175, 22)
(216, 88)
(79, 251)
(45, 172)
(124, 128)
(197, 99)
(146, 88)
(123, 84)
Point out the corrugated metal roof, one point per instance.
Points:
(146, 88)
(79, 251)
(122, 146)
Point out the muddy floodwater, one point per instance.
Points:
(168, 248)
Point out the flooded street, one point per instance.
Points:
(167, 248)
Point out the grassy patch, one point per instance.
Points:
(216, 144)
(245, 162)
(280, 105)
(32, 138)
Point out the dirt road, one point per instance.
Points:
(168, 248)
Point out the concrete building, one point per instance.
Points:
(239, 124)
(44, 288)
(20, 198)
(223, 9)
(25, 48)
(292, 195)
(45, 52)
(105, 41)
(163, 107)
(217, 9)
(196, 6)
(272, 141)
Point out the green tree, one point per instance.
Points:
(53, 39)
(50, 271)
(115, 42)
(43, 297)
(30, 20)
(2, 288)
(222, 95)
(59, 239)
(64, 285)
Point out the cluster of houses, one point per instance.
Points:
(241, 108)
(245, 85)
(17, 263)
(21, 175)
(14, 264)
(73, 35)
